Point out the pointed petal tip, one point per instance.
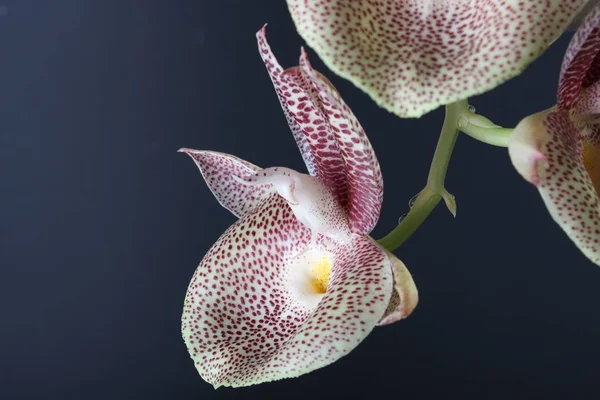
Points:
(217, 169)
(188, 151)
(305, 62)
(262, 32)
(192, 152)
(303, 52)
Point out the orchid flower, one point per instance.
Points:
(296, 283)
(412, 56)
(558, 150)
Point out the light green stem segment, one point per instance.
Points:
(434, 191)
(484, 130)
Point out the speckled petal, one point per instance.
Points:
(593, 74)
(244, 322)
(405, 295)
(311, 129)
(565, 183)
(288, 95)
(412, 56)
(587, 105)
(365, 183)
(218, 169)
(580, 67)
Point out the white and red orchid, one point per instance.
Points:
(412, 56)
(558, 150)
(296, 283)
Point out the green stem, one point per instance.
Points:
(480, 128)
(495, 136)
(445, 145)
(434, 191)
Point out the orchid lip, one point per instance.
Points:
(308, 275)
(590, 118)
(586, 123)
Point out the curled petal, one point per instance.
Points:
(309, 124)
(249, 315)
(567, 178)
(219, 170)
(581, 64)
(412, 56)
(363, 174)
(405, 296)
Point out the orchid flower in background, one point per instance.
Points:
(412, 56)
(296, 283)
(558, 150)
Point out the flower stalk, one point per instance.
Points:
(434, 190)
(484, 130)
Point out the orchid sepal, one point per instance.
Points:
(411, 56)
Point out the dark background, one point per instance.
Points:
(102, 222)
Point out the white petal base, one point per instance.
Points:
(305, 275)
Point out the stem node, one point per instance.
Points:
(434, 190)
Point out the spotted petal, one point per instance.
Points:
(587, 105)
(365, 183)
(581, 64)
(251, 317)
(412, 56)
(307, 121)
(567, 176)
(218, 170)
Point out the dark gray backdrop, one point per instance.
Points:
(102, 223)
